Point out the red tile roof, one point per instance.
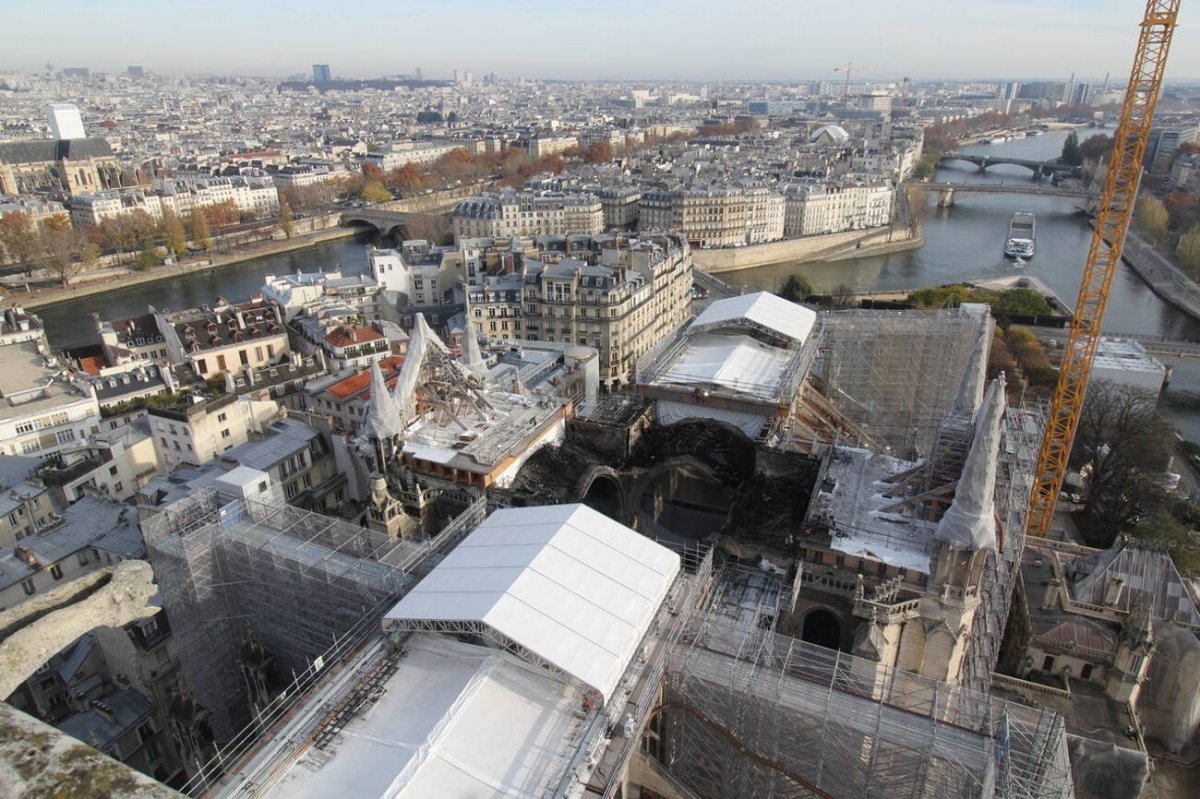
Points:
(345, 336)
(357, 383)
(92, 364)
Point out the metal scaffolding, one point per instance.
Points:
(293, 580)
(896, 374)
(748, 712)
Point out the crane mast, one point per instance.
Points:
(1108, 240)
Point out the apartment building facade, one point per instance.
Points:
(510, 214)
(715, 216)
(620, 298)
(814, 208)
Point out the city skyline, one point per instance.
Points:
(997, 39)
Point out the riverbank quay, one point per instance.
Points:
(1163, 277)
(829, 247)
(51, 295)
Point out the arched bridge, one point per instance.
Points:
(384, 221)
(1038, 168)
(948, 191)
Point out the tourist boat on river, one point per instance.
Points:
(1021, 229)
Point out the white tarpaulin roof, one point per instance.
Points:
(455, 720)
(736, 361)
(670, 413)
(565, 582)
(761, 308)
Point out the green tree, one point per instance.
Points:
(796, 289)
(285, 219)
(201, 235)
(19, 238)
(925, 168)
(148, 258)
(1020, 302)
(941, 296)
(374, 192)
(1152, 217)
(1070, 150)
(173, 232)
(1189, 248)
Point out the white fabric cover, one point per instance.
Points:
(970, 523)
(404, 392)
(733, 361)
(670, 413)
(563, 581)
(762, 308)
(383, 417)
(472, 357)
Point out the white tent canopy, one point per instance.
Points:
(563, 582)
(733, 361)
(761, 309)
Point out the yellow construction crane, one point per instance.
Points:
(1108, 240)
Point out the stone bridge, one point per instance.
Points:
(387, 217)
(384, 221)
(1039, 168)
(947, 191)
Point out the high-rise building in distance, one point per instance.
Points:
(135, 72)
(321, 73)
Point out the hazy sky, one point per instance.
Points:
(579, 39)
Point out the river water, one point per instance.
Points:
(964, 243)
(961, 243)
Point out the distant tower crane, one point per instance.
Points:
(849, 69)
(1112, 223)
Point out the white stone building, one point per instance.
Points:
(814, 208)
(197, 429)
(509, 214)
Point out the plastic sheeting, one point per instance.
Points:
(670, 413)
(472, 357)
(1170, 700)
(970, 523)
(404, 392)
(383, 417)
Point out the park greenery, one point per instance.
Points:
(1022, 358)
(1004, 303)
(1152, 218)
(1188, 249)
(1172, 223)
